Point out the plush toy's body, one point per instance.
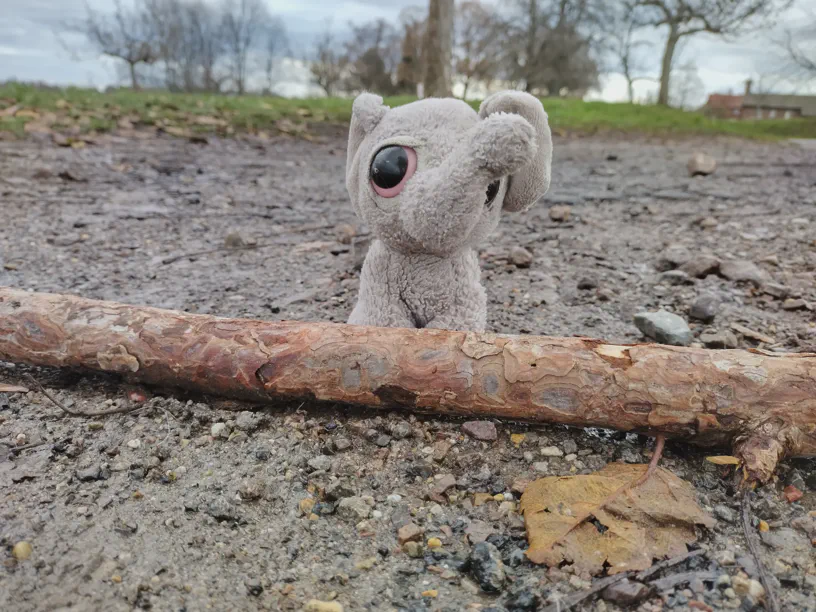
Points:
(431, 179)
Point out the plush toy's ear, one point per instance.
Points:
(529, 184)
(367, 111)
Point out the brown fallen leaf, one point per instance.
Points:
(654, 520)
(4, 388)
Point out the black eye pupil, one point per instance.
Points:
(492, 190)
(389, 167)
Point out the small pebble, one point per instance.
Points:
(219, 430)
(551, 451)
(21, 551)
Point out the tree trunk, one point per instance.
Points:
(665, 70)
(763, 404)
(438, 49)
(134, 81)
(630, 84)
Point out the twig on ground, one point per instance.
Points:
(17, 449)
(573, 600)
(669, 582)
(771, 600)
(61, 406)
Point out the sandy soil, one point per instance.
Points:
(150, 510)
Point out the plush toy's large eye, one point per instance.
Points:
(391, 168)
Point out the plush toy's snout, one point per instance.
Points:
(431, 179)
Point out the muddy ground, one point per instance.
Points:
(151, 510)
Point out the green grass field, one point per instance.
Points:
(75, 111)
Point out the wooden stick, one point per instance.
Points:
(763, 404)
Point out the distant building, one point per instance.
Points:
(760, 106)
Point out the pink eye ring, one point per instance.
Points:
(391, 168)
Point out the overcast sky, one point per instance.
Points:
(34, 47)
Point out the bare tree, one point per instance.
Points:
(373, 52)
(477, 44)
(624, 48)
(276, 46)
(437, 49)
(551, 45)
(328, 64)
(126, 34)
(799, 47)
(410, 68)
(685, 18)
(244, 22)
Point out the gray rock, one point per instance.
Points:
(777, 290)
(481, 430)
(401, 430)
(523, 600)
(321, 462)
(339, 489)
(676, 277)
(341, 444)
(569, 447)
(725, 513)
(672, 257)
(701, 164)
(521, 257)
(93, 472)
(247, 421)
(701, 266)
(719, 340)
(705, 308)
(221, 510)
(664, 327)
(785, 539)
(626, 592)
(355, 508)
(382, 440)
(743, 271)
(487, 567)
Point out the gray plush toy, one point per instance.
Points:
(430, 179)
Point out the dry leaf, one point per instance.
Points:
(4, 388)
(655, 520)
(724, 460)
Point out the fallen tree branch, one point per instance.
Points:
(762, 404)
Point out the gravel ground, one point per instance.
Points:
(195, 503)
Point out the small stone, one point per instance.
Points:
(626, 592)
(382, 440)
(709, 223)
(551, 451)
(664, 327)
(247, 421)
(725, 513)
(705, 308)
(345, 233)
(434, 543)
(233, 240)
(720, 340)
(354, 508)
(409, 533)
(726, 557)
(701, 164)
(701, 266)
(321, 463)
(487, 567)
(219, 430)
(523, 600)
(799, 304)
(440, 450)
(394, 499)
(401, 430)
(413, 549)
(672, 257)
(517, 438)
(542, 467)
(744, 586)
(560, 212)
(306, 505)
(366, 564)
(339, 489)
(676, 278)
(134, 444)
(753, 335)
(341, 444)
(776, 290)
(22, 551)
(481, 430)
(730, 593)
(478, 531)
(743, 271)
(586, 283)
(95, 472)
(254, 587)
(445, 482)
(480, 499)
(792, 494)
(315, 605)
(432, 593)
(521, 257)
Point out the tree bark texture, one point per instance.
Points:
(764, 405)
(438, 49)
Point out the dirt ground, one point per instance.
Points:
(192, 503)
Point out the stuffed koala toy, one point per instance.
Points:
(431, 179)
